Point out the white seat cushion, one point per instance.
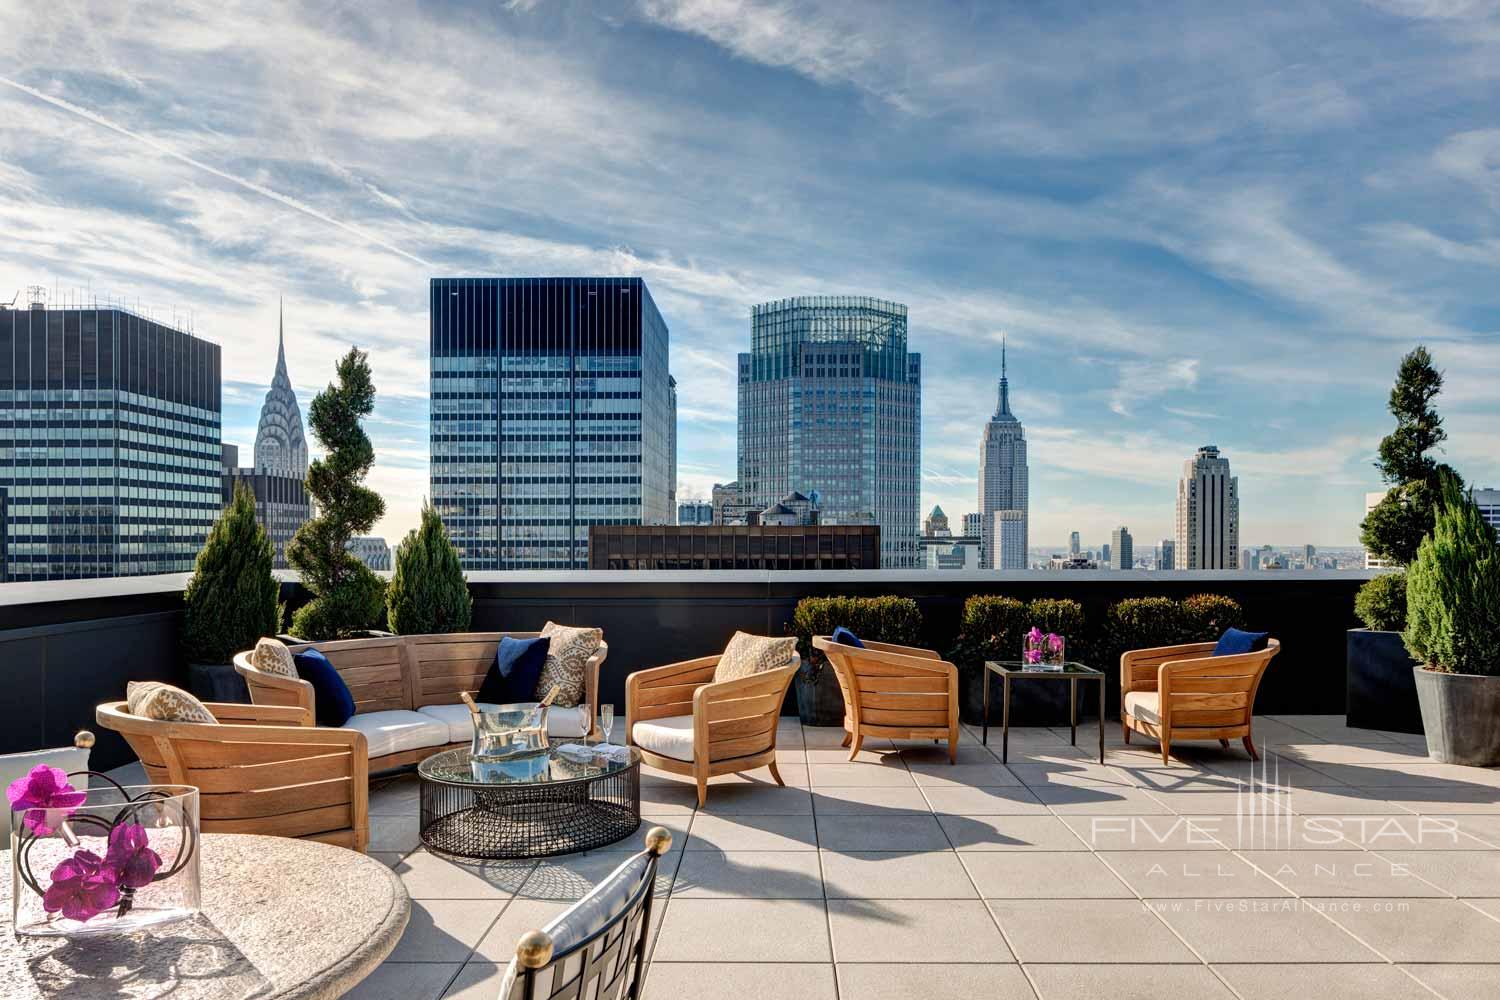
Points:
(569, 723)
(399, 730)
(1144, 705)
(670, 737)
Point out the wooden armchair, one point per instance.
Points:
(1186, 693)
(898, 692)
(692, 726)
(262, 769)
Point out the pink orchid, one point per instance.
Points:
(42, 794)
(82, 887)
(1034, 636)
(1054, 642)
(130, 856)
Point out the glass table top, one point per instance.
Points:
(564, 761)
(1069, 669)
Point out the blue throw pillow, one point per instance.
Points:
(332, 702)
(1235, 641)
(844, 637)
(512, 677)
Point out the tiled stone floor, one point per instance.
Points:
(1371, 871)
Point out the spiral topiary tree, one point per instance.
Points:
(427, 592)
(232, 599)
(348, 596)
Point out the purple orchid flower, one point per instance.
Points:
(82, 887)
(130, 856)
(1032, 656)
(1054, 642)
(43, 795)
(1034, 637)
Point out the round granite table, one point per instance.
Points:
(281, 919)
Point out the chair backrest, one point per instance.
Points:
(888, 685)
(1217, 690)
(742, 718)
(595, 949)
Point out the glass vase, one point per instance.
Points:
(107, 860)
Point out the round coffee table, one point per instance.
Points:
(552, 802)
(282, 919)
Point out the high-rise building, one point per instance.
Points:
(935, 525)
(110, 432)
(972, 526)
(830, 402)
(370, 550)
(1123, 548)
(1075, 545)
(278, 475)
(1309, 557)
(672, 445)
(1003, 480)
(1208, 513)
(551, 411)
(1372, 500)
(1104, 555)
(1009, 539)
(1166, 556)
(724, 495)
(1489, 505)
(695, 512)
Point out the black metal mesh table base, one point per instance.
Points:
(530, 820)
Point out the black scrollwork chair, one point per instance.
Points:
(595, 949)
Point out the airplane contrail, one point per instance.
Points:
(166, 150)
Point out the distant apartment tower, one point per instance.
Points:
(371, 550)
(278, 475)
(1123, 548)
(551, 412)
(724, 495)
(110, 437)
(1166, 556)
(1003, 484)
(1309, 557)
(695, 512)
(830, 402)
(1208, 512)
(935, 524)
(1104, 554)
(1075, 545)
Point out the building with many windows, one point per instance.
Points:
(1122, 549)
(372, 550)
(830, 402)
(695, 512)
(1489, 505)
(1166, 554)
(1208, 513)
(551, 412)
(1003, 484)
(723, 546)
(109, 442)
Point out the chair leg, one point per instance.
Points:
(702, 791)
(1224, 744)
(857, 742)
(848, 737)
(952, 749)
(1125, 728)
(775, 773)
(1166, 751)
(1250, 749)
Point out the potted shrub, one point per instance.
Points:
(348, 598)
(231, 600)
(1381, 690)
(1453, 629)
(880, 619)
(427, 593)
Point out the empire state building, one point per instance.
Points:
(1003, 490)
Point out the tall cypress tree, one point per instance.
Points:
(232, 599)
(427, 593)
(348, 595)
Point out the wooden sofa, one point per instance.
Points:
(263, 769)
(406, 690)
(1174, 693)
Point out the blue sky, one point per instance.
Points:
(1194, 222)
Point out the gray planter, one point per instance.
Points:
(1380, 691)
(1461, 713)
(819, 700)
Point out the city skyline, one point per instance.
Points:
(1201, 246)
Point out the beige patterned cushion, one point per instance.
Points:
(749, 654)
(272, 657)
(165, 703)
(568, 652)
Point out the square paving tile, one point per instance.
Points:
(888, 833)
(445, 930)
(1127, 982)
(1421, 930)
(1242, 801)
(1014, 800)
(1043, 875)
(757, 799)
(1262, 930)
(409, 980)
(476, 981)
(1283, 832)
(1189, 874)
(737, 981)
(877, 981)
(867, 930)
(750, 875)
(1099, 800)
(571, 876)
(1459, 982)
(859, 775)
(1072, 772)
(1408, 833)
(751, 833)
(1086, 930)
(1338, 802)
(744, 930)
(1148, 833)
(1010, 833)
(1300, 982)
(435, 876)
(869, 802)
(1470, 874)
(896, 875)
(990, 775)
(499, 943)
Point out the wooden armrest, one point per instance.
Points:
(891, 647)
(262, 715)
(591, 685)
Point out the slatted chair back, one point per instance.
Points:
(1214, 692)
(740, 719)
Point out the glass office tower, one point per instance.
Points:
(109, 443)
(830, 401)
(550, 412)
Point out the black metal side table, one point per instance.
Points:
(1070, 672)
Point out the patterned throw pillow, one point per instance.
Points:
(272, 657)
(568, 652)
(749, 654)
(165, 703)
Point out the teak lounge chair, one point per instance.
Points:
(896, 692)
(1174, 693)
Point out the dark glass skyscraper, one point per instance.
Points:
(109, 443)
(550, 412)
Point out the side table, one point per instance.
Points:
(1070, 672)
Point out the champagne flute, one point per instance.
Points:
(606, 719)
